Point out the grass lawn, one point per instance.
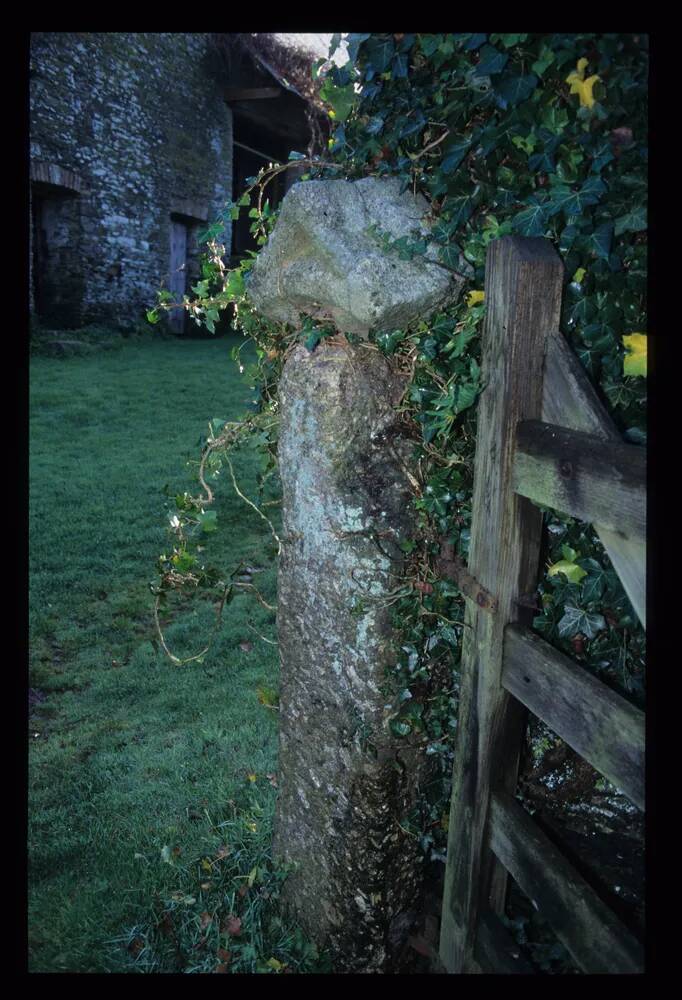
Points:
(150, 801)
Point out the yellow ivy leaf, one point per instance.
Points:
(251, 878)
(634, 362)
(474, 297)
(581, 86)
(569, 569)
(274, 964)
(579, 72)
(251, 826)
(252, 777)
(206, 865)
(579, 275)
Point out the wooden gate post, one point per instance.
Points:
(523, 296)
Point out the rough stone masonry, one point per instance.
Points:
(345, 457)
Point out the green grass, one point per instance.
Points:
(134, 760)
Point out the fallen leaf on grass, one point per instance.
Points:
(223, 851)
(206, 886)
(272, 778)
(224, 955)
(205, 920)
(232, 925)
(267, 696)
(246, 646)
(136, 946)
(220, 968)
(275, 965)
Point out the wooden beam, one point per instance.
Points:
(601, 482)
(590, 931)
(599, 724)
(523, 290)
(497, 951)
(251, 93)
(568, 397)
(570, 400)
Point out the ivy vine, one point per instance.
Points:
(538, 135)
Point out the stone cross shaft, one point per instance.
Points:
(346, 461)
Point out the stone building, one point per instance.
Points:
(137, 141)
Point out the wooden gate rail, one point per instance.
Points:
(570, 400)
(597, 481)
(542, 436)
(595, 721)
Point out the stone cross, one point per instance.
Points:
(345, 458)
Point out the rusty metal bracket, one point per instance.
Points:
(452, 567)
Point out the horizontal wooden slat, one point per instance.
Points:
(590, 931)
(599, 724)
(570, 400)
(601, 482)
(496, 950)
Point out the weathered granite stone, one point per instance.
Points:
(323, 258)
(344, 785)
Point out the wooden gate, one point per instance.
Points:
(543, 438)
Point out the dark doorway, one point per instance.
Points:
(56, 266)
(177, 284)
(253, 148)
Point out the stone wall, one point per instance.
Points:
(138, 124)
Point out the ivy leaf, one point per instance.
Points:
(399, 727)
(601, 156)
(460, 209)
(571, 570)
(541, 162)
(450, 255)
(555, 119)
(183, 561)
(532, 221)
(511, 90)
(399, 65)
(575, 202)
(491, 61)
(208, 521)
(341, 99)
(508, 40)
(379, 52)
(475, 42)
(634, 362)
(577, 620)
(454, 155)
(595, 584)
(353, 42)
(599, 241)
(465, 396)
(544, 60)
(635, 221)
